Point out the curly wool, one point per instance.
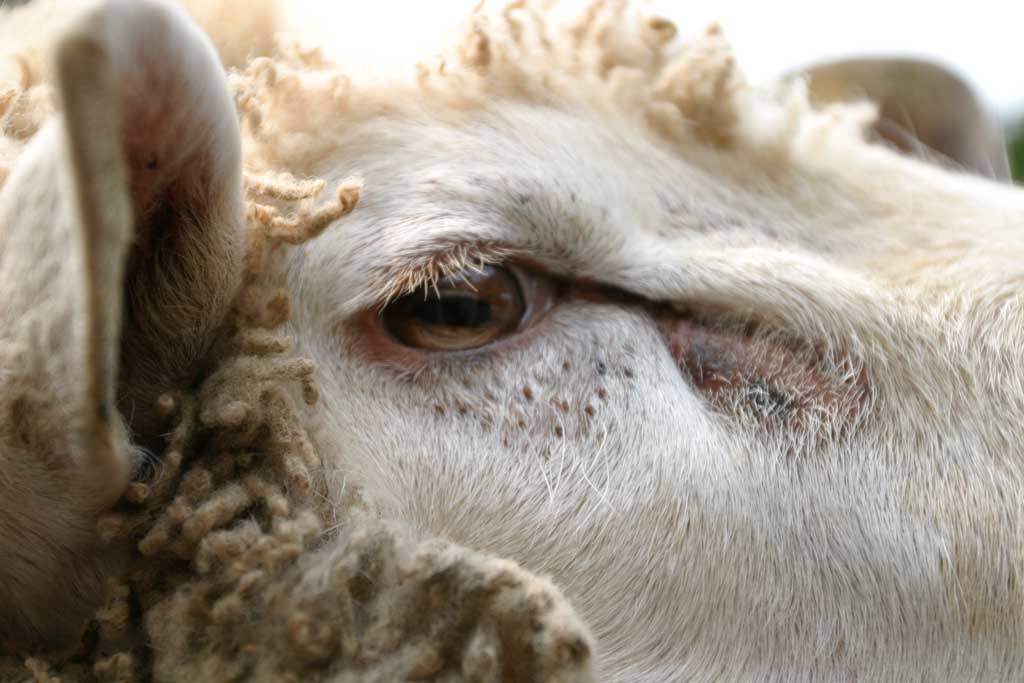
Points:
(295, 102)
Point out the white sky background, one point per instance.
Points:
(982, 39)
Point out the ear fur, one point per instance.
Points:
(924, 109)
(120, 251)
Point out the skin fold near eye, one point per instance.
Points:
(462, 312)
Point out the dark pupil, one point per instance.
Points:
(455, 311)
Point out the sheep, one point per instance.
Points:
(598, 363)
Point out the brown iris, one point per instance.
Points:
(469, 310)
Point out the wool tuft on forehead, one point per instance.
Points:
(607, 60)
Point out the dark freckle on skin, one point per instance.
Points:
(439, 410)
(152, 164)
(589, 410)
(627, 372)
(770, 400)
(602, 394)
(528, 393)
(558, 431)
(566, 365)
(521, 422)
(602, 368)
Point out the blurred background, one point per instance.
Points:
(1017, 150)
(980, 40)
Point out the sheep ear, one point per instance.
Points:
(925, 110)
(145, 93)
(120, 251)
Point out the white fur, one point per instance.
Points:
(694, 545)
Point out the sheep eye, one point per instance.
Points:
(462, 312)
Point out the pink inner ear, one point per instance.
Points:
(180, 137)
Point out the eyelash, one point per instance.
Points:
(446, 263)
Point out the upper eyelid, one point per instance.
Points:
(474, 242)
(430, 268)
